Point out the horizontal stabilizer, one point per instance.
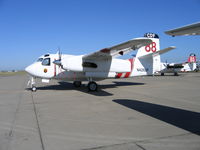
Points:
(159, 52)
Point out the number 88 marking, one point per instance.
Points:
(151, 47)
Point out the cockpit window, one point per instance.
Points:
(40, 60)
(46, 62)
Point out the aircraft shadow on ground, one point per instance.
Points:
(184, 119)
(101, 89)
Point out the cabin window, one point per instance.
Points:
(46, 62)
(46, 55)
(40, 60)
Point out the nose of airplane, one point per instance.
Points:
(27, 69)
(30, 69)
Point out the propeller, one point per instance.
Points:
(165, 64)
(59, 54)
(58, 61)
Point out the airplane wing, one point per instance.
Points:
(119, 50)
(193, 29)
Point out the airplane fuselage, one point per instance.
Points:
(80, 70)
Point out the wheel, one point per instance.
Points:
(162, 74)
(34, 89)
(77, 83)
(175, 73)
(92, 86)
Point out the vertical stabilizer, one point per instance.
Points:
(192, 58)
(148, 55)
(151, 48)
(190, 65)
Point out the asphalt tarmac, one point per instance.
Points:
(141, 113)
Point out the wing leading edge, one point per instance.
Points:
(119, 50)
(193, 29)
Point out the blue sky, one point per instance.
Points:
(30, 28)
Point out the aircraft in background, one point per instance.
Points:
(188, 66)
(101, 64)
(192, 29)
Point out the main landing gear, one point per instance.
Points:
(77, 83)
(92, 86)
(175, 73)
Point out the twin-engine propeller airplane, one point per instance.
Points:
(188, 66)
(101, 64)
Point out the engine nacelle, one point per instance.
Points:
(73, 63)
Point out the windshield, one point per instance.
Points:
(46, 62)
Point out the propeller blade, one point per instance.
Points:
(59, 54)
(57, 62)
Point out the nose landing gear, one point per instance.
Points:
(34, 89)
(31, 82)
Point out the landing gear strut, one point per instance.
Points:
(175, 73)
(31, 82)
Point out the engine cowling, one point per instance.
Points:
(73, 63)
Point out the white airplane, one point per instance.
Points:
(101, 64)
(192, 29)
(188, 66)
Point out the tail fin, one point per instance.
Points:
(191, 64)
(146, 54)
(151, 48)
(148, 57)
(192, 58)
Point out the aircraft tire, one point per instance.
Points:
(77, 83)
(92, 86)
(34, 89)
(162, 74)
(176, 74)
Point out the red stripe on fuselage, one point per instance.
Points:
(118, 75)
(129, 73)
(54, 69)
